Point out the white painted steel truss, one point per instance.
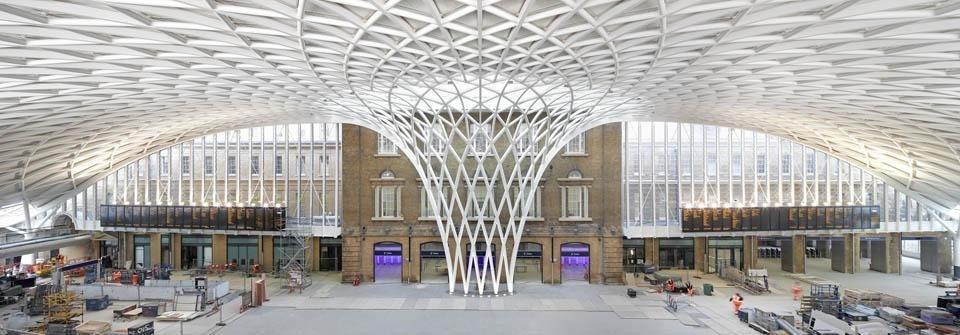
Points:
(88, 86)
(487, 138)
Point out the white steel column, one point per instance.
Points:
(793, 171)
(829, 200)
(679, 145)
(703, 164)
(179, 174)
(274, 159)
(816, 178)
(743, 169)
(779, 159)
(768, 195)
(756, 170)
(238, 164)
(287, 163)
(301, 166)
(803, 174)
(729, 166)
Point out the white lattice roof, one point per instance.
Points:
(86, 86)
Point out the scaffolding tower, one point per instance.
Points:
(294, 261)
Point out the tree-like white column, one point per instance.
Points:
(480, 152)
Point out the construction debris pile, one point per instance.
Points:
(825, 311)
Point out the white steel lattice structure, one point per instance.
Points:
(485, 137)
(88, 86)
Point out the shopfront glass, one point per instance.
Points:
(141, 251)
(331, 254)
(243, 252)
(433, 263)
(723, 253)
(633, 255)
(196, 251)
(676, 253)
(529, 263)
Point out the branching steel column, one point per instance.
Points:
(530, 124)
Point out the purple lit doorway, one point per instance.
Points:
(575, 262)
(387, 262)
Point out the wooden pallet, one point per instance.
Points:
(913, 323)
(945, 330)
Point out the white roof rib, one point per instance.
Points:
(86, 86)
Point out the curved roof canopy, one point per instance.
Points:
(86, 86)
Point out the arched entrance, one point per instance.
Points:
(387, 262)
(574, 262)
(433, 263)
(529, 263)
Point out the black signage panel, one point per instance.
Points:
(779, 218)
(529, 254)
(193, 217)
(141, 329)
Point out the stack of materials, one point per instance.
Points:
(153, 309)
(912, 309)
(937, 317)
(858, 296)
(913, 323)
(870, 298)
(93, 328)
(890, 314)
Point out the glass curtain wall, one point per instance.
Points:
(292, 165)
(668, 166)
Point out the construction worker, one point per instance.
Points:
(670, 286)
(796, 291)
(690, 290)
(737, 300)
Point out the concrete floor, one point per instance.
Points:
(331, 307)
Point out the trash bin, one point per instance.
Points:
(631, 293)
(707, 289)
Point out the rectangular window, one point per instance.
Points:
(426, 207)
(208, 165)
(388, 202)
(525, 140)
(185, 165)
(232, 165)
(785, 167)
(254, 165)
(536, 208)
(811, 165)
(278, 166)
(140, 168)
(480, 138)
(437, 142)
(575, 201)
(761, 164)
(302, 167)
(476, 208)
(385, 146)
(577, 145)
(164, 166)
